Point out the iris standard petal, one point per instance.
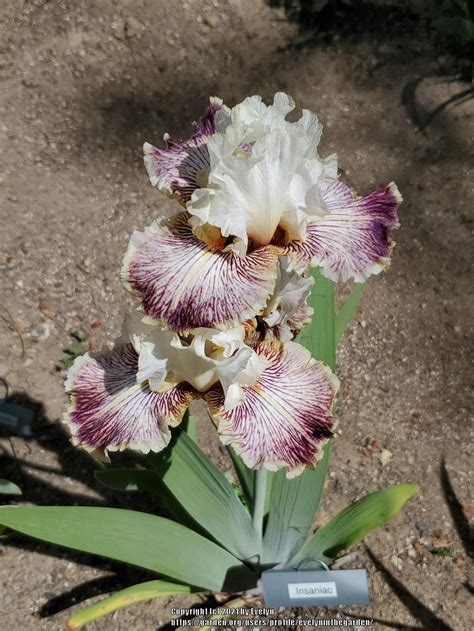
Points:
(110, 411)
(248, 198)
(252, 118)
(183, 283)
(182, 167)
(286, 416)
(352, 240)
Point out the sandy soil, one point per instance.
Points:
(84, 83)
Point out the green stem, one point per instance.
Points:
(259, 500)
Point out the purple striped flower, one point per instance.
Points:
(130, 396)
(272, 401)
(254, 189)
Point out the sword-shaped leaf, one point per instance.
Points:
(293, 503)
(9, 488)
(207, 496)
(319, 336)
(147, 480)
(148, 541)
(354, 522)
(188, 424)
(124, 598)
(246, 476)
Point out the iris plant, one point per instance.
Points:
(224, 293)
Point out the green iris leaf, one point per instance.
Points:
(148, 541)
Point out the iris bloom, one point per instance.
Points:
(222, 287)
(252, 188)
(131, 396)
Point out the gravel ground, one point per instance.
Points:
(84, 83)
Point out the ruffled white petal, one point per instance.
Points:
(208, 353)
(265, 174)
(150, 368)
(287, 312)
(200, 358)
(248, 198)
(243, 370)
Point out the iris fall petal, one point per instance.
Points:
(182, 167)
(110, 411)
(183, 283)
(352, 239)
(286, 416)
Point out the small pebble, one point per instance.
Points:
(40, 333)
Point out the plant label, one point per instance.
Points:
(289, 588)
(15, 418)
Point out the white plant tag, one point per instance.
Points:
(289, 588)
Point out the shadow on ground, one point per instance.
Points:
(428, 619)
(322, 22)
(415, 606)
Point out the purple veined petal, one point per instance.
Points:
(353, 239)
(110, 411)
(286, 416)
(183, 283)
(182, 167)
